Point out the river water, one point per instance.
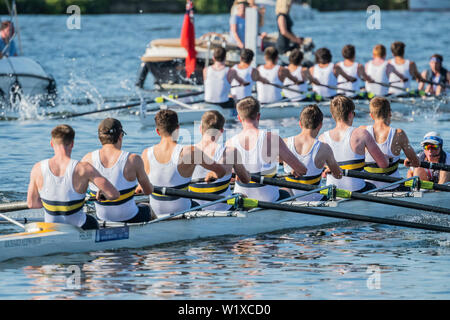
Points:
(342, 261)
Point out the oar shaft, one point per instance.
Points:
(13, 206)
(432, 165)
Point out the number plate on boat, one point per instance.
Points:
(111, 234)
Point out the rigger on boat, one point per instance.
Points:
(266, 203)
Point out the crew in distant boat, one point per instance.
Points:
(59, 184)
(433, 152)
(301, 73)
(211, 130)
(438, 75)
(276, 75)
(323, 75)
(391, 142)
(405, 67)
(169, 164)
(349, 145)
(312, 153)
(249, 74)
(287, 40)
(218, 79)
(353, 69)
(260, 151)
(380, 70)
(237, 24)
(7, 45)
(124, 170)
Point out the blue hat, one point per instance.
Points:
(433, 138)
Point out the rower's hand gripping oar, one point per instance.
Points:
(432, 165)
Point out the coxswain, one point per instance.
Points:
(211, 129)
(261, 150)
(312, 153)
(438, 78)
(391, 141)
(59, 184)
(124, 170)
(169, 164)
(349, 145)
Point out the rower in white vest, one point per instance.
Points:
(246, 72)
(349, 145)
(59, 184)
(323, 75)
(353, 69)
(260, 151)
(124, 170)
(405, 67)
(169, 164)
(379, 70)
(218, 78)
(296, 69)
(276, 75)
(211, 130)
(391, 142)
(311, 152)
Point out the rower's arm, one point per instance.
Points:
(374, 150)
(391, 69)
(363, 75)
(256, 76)
(310, 76)
(444, 177)
(411, 157)
(421, 85)
(144, 186)
(239, 168)
(232, 75)
(284, 73)
(331, 161)
(87, 158)
(105, 187)
(33, 198)
(287, 156)
(337, 70)
(414, 72)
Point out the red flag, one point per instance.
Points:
(188, 38)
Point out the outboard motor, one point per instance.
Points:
(15, 93)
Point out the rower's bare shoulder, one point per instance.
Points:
(36, 170)
(87, 157)
(135, 159)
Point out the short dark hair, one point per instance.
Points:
(63, 134)
(323, 55)
(271, 53)
(296, 57)
(348, 51)
(109, 131)
(380, 108)
(311, 117)
(166, 121)
(220, 54)
(398, 49)
(248, 108)
(341, 107)
(247, 55)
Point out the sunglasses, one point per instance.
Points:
(431, 146)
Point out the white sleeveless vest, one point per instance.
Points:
(124, 208)
(167, 175)
(268, 93)
(291, 95)
(220, 186)
(344, 84)
(254, 163)
(313, 174)
(386, 148)
(378, 74)
(403, 69)
(241, 92)
(325, 76)
(217, 87)
(346, 159)
(62, 204)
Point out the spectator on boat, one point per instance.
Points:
(124, 170)
(275, 74)
(349, 145)
(218, 78)
(251, 4)
(287, 40)
(433, 152)
(391, 142)
(211, 129)
(59, 184)
(260, 150)
(314, 155)
(406, 68)
(296, 70)
(6, 33)
(169, 164)
(248, 74)
(379, 70)
(237, 24)
(437, 75)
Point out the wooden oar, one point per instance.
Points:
(352, 195)
(252, 203)
(432, 165)
(388, 179)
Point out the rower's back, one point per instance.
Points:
(377, 70)
(217, 84)
(270, 71)
(245, 71)
(323, 71)
(402, 66)
(350, 67)
(296, 69)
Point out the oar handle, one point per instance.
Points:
(432, 165)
